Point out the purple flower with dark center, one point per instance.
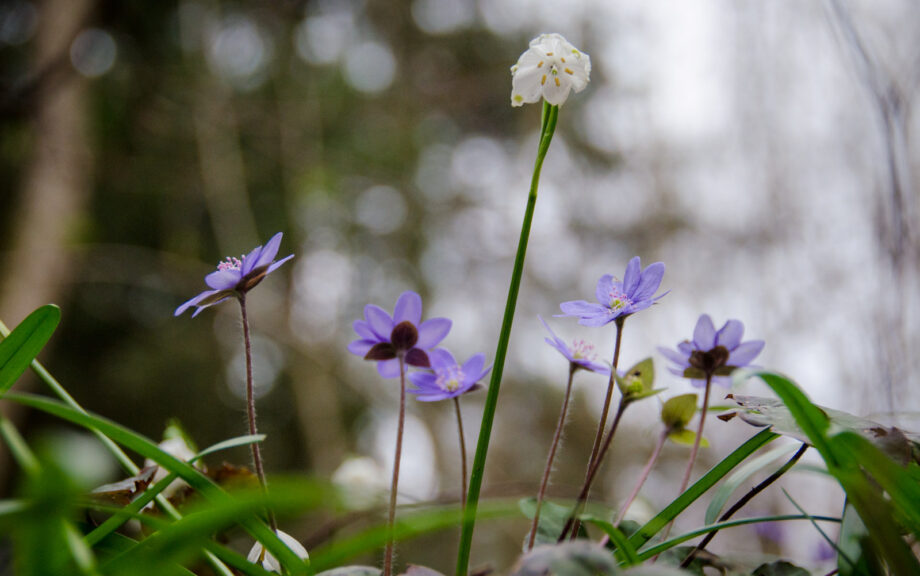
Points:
(617, 299)
(237, 276)
(385, 339)
(712, 353)
(448, 378)
(580, 354)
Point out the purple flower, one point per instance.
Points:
(619, 299)
(384, 338)
(449, 379)
(712, 353)
(236, 276)
(580, 354)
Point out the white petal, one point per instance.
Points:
(556, 90)
(525, 86)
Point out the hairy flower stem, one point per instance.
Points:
(462, 454)
(696, 447)
(642, 477)
(391, 518)
(251, 408)
(570, 525)
(599, 436)
(744, 500)
(552, 454)
(550, 115)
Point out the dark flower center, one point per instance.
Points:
(711, 360)
(404, 336)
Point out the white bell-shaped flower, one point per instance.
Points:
(258, 555)
(549, 69)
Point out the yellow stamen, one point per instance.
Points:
(569, 71)
(549, 53)
(540, 65)
(557, 82)
(543, 81)
(563, 59)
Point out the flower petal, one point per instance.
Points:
(632, 276)
(361, 347)
(600, 319)
(730, 334)
(745, 353)
(276, 265)
(525, 85)
(582, 308)
(423, 380)
(555, 89)
(649, 283)
(431, 332)
(674, 356)
(379, 321)
(435, 397)
(408, 308)
(269, 251)
(364, 330)
(250, 260)
(603, 289)
(194, 301)
(223, 279)
(388, 368)
(704, 335)
(441, 359)
(473, 368)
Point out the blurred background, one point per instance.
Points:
(763, 151)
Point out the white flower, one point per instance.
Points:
(259, 555)
(550, 68)
(179, 449)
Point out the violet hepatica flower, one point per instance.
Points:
(580, 354)
(385, 338)
(712, 353)
(448, 378)
(236, 276)
(616, 299)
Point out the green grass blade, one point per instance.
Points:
(722, 494)
(624, 548)
(121, 516)
(407, 526)
(25, 342)
(708, 480)
(148, 449)
(677, 540)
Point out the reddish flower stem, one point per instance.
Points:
(696, 448)
(552, 454)
(642, 478)
(391, 518)
(251, 408)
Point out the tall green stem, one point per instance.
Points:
(550, 115)
(552, 455)
(463, 480)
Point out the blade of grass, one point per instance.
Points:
(148, 449)
(696, 490)
(629, 555)
(666, 545)
(22, 345)
(724, 492)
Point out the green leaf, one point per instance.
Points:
(677, 412)
(553, 518)
(708, 480)
(148, 449)
(25, 342)
(738, 478)
(779, 568)
(637, 379)
(630, 557)
(687, 438)
(572, 558)
(759, 411)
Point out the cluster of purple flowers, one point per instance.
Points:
(403, 337)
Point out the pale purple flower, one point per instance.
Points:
(580, 354)
(236, 276)
(616, 299)
(448, 379)
(384, 338)
(713, 353)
